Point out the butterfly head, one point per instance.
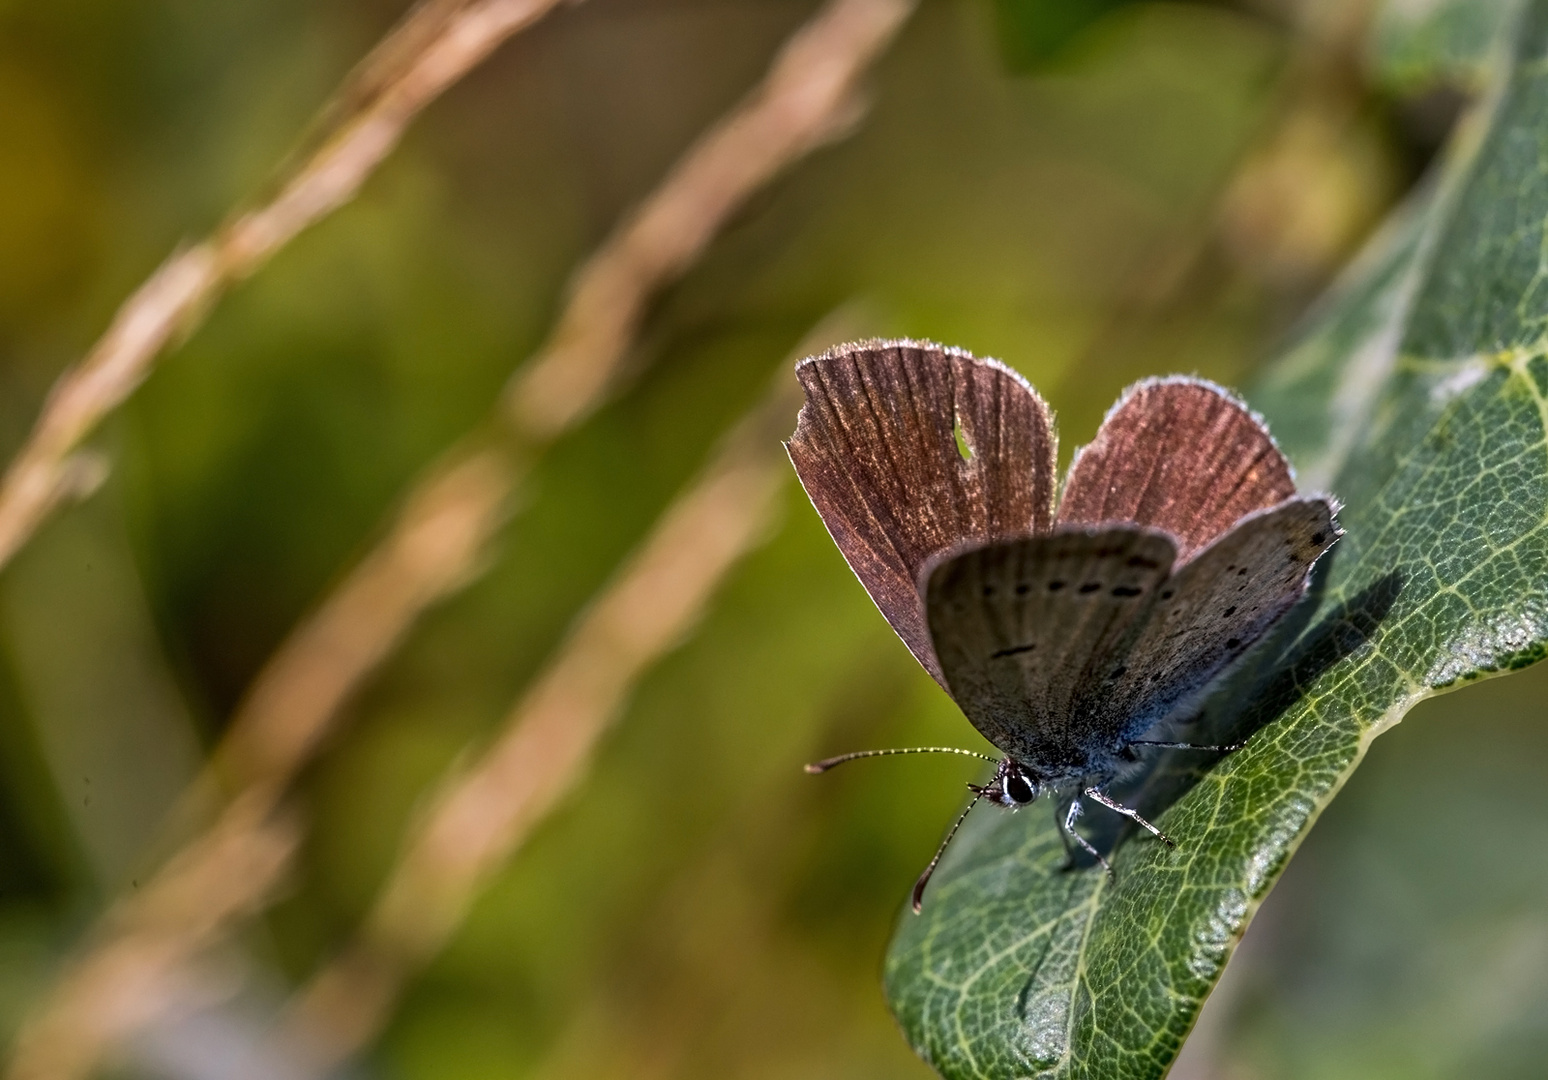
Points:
(1012, 786)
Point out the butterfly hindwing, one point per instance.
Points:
(1211, 611)
(1022, 627)
(876, 448)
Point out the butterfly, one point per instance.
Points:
(1065, 625)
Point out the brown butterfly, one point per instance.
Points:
(1064, 629)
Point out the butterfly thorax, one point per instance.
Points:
(1054, 746)
(1051, 766)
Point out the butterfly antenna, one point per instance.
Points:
(924, 878)
(827, 763)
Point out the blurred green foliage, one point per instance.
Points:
(699, 907)
(1035, 32)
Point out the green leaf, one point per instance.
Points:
(1419, 45)
(1418, 394)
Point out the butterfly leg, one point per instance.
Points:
(1060, 809)
(1188, 746)
(1132, 815)
(1069, 830)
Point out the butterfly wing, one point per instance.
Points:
(1179, 455)
(1211, 611)
(877, 452)
(1022, 626)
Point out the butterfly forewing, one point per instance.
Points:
(876, 447)
(1211, 612)
(1023, 627)
(1179, 455)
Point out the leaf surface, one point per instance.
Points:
(1419, 395)
(1417, 47)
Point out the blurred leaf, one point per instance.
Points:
(1421, 45)
(1033, 33)
(1409, 938)
(1422, 389)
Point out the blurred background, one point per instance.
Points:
(1093, 191)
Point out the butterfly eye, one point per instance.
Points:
(1019, 790)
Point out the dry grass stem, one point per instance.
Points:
(446, 519)
(126, 975)
(808, 97)
(432, 48)
(37, 479)
(806, 94)
(486, 812)
(435, 546)
(442, 532)
(149, 936)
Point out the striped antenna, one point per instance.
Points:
(827, 763)
(924, 878)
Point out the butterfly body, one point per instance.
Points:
(1063, 632)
